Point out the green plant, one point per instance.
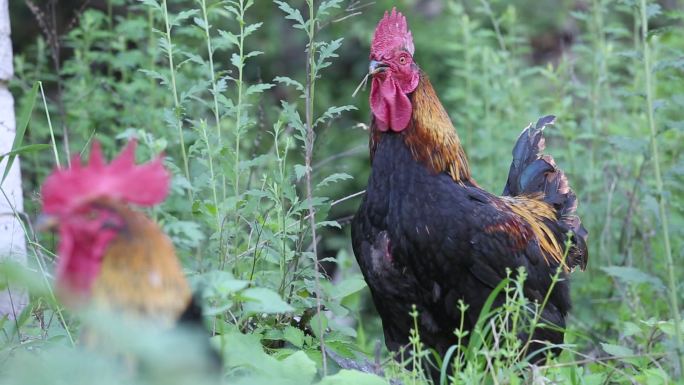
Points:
(241, 97)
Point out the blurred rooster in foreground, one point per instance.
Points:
(112, 258)
(427, 234)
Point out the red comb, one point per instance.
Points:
(392, 32)
(122, 180)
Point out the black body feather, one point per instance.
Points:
(423, 238)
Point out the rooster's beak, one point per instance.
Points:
(45, 222)
(376, 67)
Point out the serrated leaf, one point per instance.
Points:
(326, 6)
(164, 45)
(253, 54)
(200, 22)
(152, 3)
(300, 171)
(579, 15)
(182, 16)
(292, 14)
(154, 75)
(228, 37)
(293, 118)
(251, 28)
(197, 59)
(327, 51)
(236, 61)
(289, 82)
(332, 113)
(334, 224)
(294, 336)
(653, 9)
(232, 10)
(258, 88)
(334, 178)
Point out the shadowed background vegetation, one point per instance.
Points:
(233, 126)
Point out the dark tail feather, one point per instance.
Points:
(533, 173)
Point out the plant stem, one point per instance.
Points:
(310, 83)
(210, 53)
(212, 175)
(672, 283)
(212, 74)
(238, 122)
(51, 293)
(176, 102)
(238, 117)
(217, 119)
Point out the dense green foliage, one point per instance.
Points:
(260, 132)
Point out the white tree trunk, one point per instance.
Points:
(12, 241)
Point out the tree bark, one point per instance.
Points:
(12, 237)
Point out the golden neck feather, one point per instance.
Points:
(141, 273)
(432, 137)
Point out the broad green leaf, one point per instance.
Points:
(347, 287)
(631, 275)
(263, 300)
(223, 283)
(294, 336)
(299, 367)
(317, 321)
(348, 377)
(617, 350)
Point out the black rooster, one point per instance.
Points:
(427, 234)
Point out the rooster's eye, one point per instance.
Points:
(402, 60)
